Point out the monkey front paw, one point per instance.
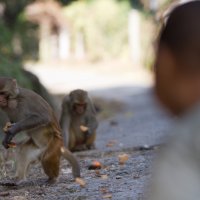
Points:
(8, 144)
(8, 138)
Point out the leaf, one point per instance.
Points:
(81, 182)
(97, 172)
(107, 196)
(123, 158)
(19, 198)
(111, 143)
(104, 176)
(104, 190)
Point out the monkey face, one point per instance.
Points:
(79, 108)
(3, 100)
(78, 101)
(8, 87)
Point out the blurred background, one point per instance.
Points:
(93, 44)
(103, 46)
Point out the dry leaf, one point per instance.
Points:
(104, 190)
(80, 181)
(111, 143)
(106, 167)
(123, 158)
(19, 198)
(84, 128)
(97, 172)
(104, 177)
(107, 196)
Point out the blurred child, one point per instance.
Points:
(176, 173)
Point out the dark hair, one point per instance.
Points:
(181, 33)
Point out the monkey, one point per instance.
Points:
(30, 113)
(78, 121)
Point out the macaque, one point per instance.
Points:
(78, 121)
(30, 113)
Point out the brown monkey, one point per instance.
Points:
(78, 121)
(29, 112)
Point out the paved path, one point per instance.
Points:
(140, 123)
(63, 78)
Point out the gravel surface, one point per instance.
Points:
(113, 181)
(133, 130)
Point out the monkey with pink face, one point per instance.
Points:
(78, 121)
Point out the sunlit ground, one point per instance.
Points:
(61, 78)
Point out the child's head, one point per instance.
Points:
(177, 63)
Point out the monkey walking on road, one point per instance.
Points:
(78, 121)
(29, 112)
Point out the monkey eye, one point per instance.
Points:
(3, 93)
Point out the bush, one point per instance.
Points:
(104, 25)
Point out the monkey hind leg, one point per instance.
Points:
(90, 142)
(26, 153)
(51, 160)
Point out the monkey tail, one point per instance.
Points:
(72, 160)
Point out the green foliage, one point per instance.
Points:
(16, 42)
(10, 64)
(136, 4)
(28, 37)
(5, 40)
(13, 69)
(104, 25)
